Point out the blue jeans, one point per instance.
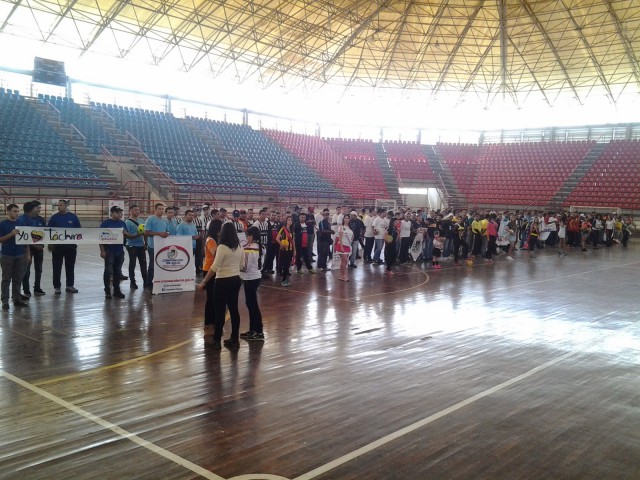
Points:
(112, 265)
(427, 249)
(377, 250)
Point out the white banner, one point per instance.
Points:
(416, 247)
(174, 266)
(61, 235)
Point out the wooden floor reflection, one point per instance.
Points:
(516, 370)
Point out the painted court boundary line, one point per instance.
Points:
(307, 476)
(114, 428)
(432, 418)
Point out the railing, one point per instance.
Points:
(73, 127)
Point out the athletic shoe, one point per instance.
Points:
(300, 272)
(5, 306)
(312, 271)
(134, 286)
(255, 337)
(231, 343)
(20, 304)
(26, 294)
(107, 295)
(71, 290)
(284, 283)
(389, 272)
(38, 292)
(124, 277)
(247, 334)
(57, 291)
(509, 257)
(24, 298)
(118, 294)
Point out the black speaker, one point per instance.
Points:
(49, 71)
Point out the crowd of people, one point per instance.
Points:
(237, 248)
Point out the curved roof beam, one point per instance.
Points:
(454, 51)
(633, 61)
(403, 24)
(533, 75)
(61, 16)
(592, 55)
(13, 10)
(543, 32)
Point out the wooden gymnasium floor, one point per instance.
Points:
(520, 370)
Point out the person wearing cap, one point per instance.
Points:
(32, 211)
(134, 244)
(113, 254)
(64, 253)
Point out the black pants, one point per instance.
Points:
(390, 254)
(37, 258)
(323, 252)
(491, 245)
(284, 262)
(368, 248)
(251, 300)
(198, 255)
(595, 237)
(137, 253)
(225, 295)
(112, 266)
(405, 246)
(625, 238)
(477, 244)
(209, 307)
(272, 252)
(150, 267)
(302, 254)
(64, 254)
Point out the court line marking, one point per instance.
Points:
(197, 469)
(84, 373)
(431, 418)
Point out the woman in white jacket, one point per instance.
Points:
(251, 275)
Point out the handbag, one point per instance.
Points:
(388, 238)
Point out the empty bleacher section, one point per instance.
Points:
(613, 180)
(317, 154)
(410, 163)
(361, 156)
(33, 154)
(272, 166)
(460, 160)
(177, 150)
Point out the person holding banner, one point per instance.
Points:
(113, 254)
(135, 246)
(13, 259)
(64, 253)
(32, 211)
(155, 226)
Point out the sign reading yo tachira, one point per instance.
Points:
(59, 235)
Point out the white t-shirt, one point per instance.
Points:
(405, 228)
(378, 226)
(251, 255)
(368, 226)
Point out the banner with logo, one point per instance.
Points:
(174, 265)
(416, 247)
(61, 235)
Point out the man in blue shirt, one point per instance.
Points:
(135, 246)
(113, 254)
(12, 259)
(155, 227)
(32, 215)
(188, 228)
(64, 253)
(172, 223)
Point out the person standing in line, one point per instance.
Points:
(369, 237)
(311, 233)
(36, 251)
(562, 236)
(13, 259)
(64, 253)
(188, 229)
(492, 235)
(301, 236)
(357, 227)
(262, 224)
(378, 226)
(287, 247)
(229, 259)
(113, 254)
(534, 233)
(405, 238)
(200, 229)
(172, 223)
(390, 240)
(211, 246)
(324, 240)
(343, 246)
(134, 244)
(155, 227)
(272, 245)
(205, 217)
(251, 275)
